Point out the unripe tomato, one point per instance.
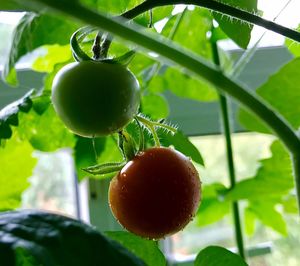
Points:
(94, 98)
(156, 193)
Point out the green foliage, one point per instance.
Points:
(182, 144)
(266, 212)
(216, 256)
(33, 31)
(9, 116)
(57, 240)
(45, 132)
(183, 85)
(55, 54)
(282, 93)
(293, 46)
(145, 249)
(17, 165)
(155, 105)
(273, 179)
(85, 153)
(238, 31)
(192, 31)
(212, 207)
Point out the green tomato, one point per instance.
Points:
(95, 99)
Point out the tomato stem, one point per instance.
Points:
(150, 125)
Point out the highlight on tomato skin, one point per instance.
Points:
(156, 194)
(95, 99)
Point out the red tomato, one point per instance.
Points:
(156, 194)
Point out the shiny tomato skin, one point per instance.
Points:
(156, 194)
(94, 98)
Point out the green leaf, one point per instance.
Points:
(145, 249)
(45, 132)
(273, 179)
(54, 54)
(106, 150)
(85, 153)
(250, 218)
(182, 144)
(183, 85)
(9, 115)
(113, 6)
(282, 93)
(251, 122)
(212, 208)
(293, 46)
(290, 204)
(192, 31)
(155, 105)
(265, 211)
(12, 5)
(24, 258)
(239, 32)
(17, 165)
(217, 256)
(34, 31)
(57, 240)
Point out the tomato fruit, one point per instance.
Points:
(94, 98)
(156, 193)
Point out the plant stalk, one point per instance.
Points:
(218, 7)
(190, 61)
(230, 161)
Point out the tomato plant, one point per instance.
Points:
(95, 99)
(156, 193)
(98, 97)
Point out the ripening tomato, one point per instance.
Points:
(156, 193)
(94, 98)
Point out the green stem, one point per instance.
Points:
(232, 178)
(219, 7)
(149, 125)
(188, 60)
(230, 161)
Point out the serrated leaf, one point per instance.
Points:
(54, 54)
(182, 144)
(265, 211)
(33, 31)
(9, 115)
(217, 256)
(274, 178)
(155, 105)
(238, 31)
(212, 208)
(45, 132)
(57, 240)
(282, 93)
(145, 249)
(17, 165)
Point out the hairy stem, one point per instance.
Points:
(219, 7)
